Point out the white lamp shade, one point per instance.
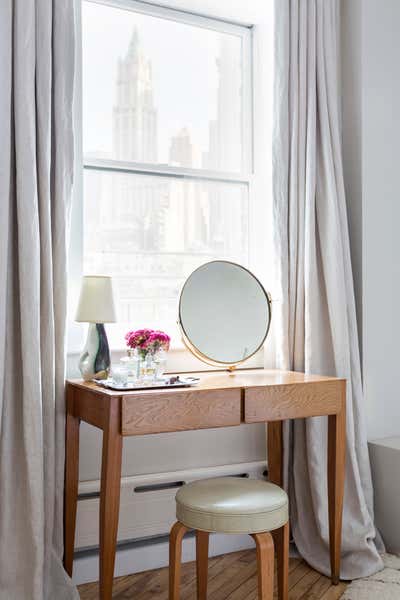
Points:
(96, 300)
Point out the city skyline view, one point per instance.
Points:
(149, 232)
(188, 83)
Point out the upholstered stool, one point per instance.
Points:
(232, 505)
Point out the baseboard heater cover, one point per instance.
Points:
(147, 507)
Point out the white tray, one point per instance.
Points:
(157, 384)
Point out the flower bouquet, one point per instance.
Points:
(148, 348)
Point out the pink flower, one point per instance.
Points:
(148, 339)
(138, 338)
(159, 339)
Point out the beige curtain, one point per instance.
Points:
(36, 167)
(316, 322)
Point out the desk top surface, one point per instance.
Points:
(217, 380)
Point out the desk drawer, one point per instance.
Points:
(189, 409)
(293, 401)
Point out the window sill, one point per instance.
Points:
(179, 360)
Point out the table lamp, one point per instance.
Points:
(96, 307)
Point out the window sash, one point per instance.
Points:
(164, 171)
(183, 16)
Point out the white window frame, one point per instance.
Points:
(257, 37)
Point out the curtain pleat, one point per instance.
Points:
(36, 173)
(316, 327)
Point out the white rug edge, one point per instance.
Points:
(384, 585)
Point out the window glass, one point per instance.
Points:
(150, 233)
(161, 91)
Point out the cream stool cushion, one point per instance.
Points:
(232, 505)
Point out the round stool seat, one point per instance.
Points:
(232, 505)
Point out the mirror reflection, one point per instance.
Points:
(224, 313)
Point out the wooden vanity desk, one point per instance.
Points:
(221, 399)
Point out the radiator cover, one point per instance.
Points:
(147, 507)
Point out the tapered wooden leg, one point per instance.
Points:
(275, 452)
(202, 538)
(275, 475)
(71, 480)
(336, 477)
(281, 541)
(175, 556)
(265, 565)
(110, 495)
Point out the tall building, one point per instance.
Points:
(186, 228)
(225, 132)
(138, 201)
(181, 149)
(134, 114)
(225, 154)
(129, 228)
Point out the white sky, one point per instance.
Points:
(185, 75)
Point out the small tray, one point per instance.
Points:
(163, 383)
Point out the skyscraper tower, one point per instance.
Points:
(225, 150)
(134, 114)
(138, 207)
(181, 149)
(225, 144)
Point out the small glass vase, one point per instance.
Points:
(160, 359)
(147, 367)
(119, 374)
(132, 362)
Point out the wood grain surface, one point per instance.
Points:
(110, 491)
(232, 576)
(241, 378)
(192, 409)
(293, 400)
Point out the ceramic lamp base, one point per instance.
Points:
(94, 361)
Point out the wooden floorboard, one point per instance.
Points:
(231, 576)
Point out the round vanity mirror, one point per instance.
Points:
(224, 313)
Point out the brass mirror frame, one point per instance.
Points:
(193, 349)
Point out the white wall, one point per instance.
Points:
(351, 124)
(371, 134)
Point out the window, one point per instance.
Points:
(167, 152)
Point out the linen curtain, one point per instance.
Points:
(36, 168)
(316, 320)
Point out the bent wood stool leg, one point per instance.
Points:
(202, 539)
(71, 480)
(336, 477)
(175, 555)
(265, 565)
(109, 496)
